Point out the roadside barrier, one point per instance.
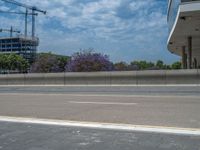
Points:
(149, 77)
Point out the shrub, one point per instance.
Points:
(49, 63)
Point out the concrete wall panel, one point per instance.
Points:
(3, 80)
(35, 79)
(182, 77)
(198, 76)
(124, 78)
(102, 78)
(15, 79)
(54, 79)
(75, 79)
(151, 77)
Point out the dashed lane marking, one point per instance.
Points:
(102, 103)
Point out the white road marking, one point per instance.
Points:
(102, 103)
(104, 85)
(122, 127)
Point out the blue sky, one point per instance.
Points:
(126, 30)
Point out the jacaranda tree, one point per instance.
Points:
(88, 61)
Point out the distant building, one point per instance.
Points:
(184, 31)
(23, 46)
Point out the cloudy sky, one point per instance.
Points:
(126, 30)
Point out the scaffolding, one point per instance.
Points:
(23, 46)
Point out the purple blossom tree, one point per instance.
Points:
(88, 61)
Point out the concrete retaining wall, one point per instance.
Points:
(149, 77)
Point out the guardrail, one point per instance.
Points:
(150, 77)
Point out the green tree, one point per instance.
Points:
(3, 62)
(143, 65)
(13, 62)
(62, 62)
(121, 66)
(176, 65)
(160, 64)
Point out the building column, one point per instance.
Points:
(190, 52)
(195, 63)
(184, 60)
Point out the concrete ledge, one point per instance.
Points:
(126, 77)
(54, 79)
(150, 77)
(15, 79)
(182, 76)
(34, 79)
(198, 77)
(3, 80)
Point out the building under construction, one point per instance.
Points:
(23, 45)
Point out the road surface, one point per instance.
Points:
(118, 90)
(18, 136)
(127, 105)
(157, 106)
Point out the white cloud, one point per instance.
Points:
(4, 8)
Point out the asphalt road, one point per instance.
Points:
(163, 106)
(127, 105)
(117, 90)
(19, 136)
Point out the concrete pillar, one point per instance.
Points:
(195, 63)
(190, 52)
(186, 63)
(184, 60)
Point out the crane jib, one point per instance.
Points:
(33, 13)
(19, 13)
(25, 6)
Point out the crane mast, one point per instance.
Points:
(26, 18)
(27, 7)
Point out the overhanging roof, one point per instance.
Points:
(187, 24)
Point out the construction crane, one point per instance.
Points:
(21, 13)
(27, 7)
(11, 30)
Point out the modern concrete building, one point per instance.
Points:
(24, 46)
(184, 31)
